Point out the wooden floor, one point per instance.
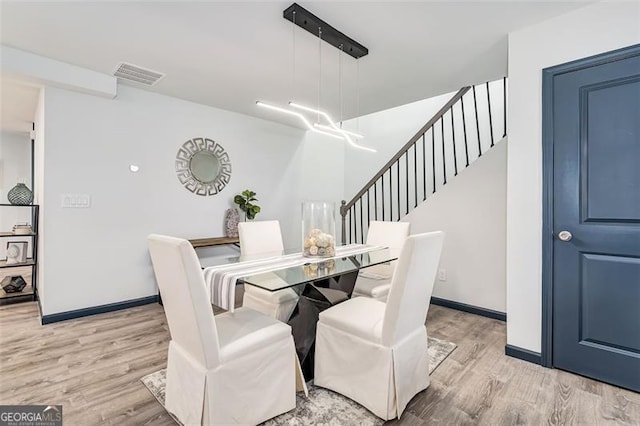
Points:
(92, 366)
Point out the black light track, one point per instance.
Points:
(311, 23)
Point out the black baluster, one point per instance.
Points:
(383, 202)
(504, 100)
(348, 239)
(490, 119)
(464, 130)
(390, 192)
(433, 156)
(352, 228)
(475, 107)
(361, 223)
(406, 175)
(415, 175)
(398, 181)
(453, 136)
(424, 168)
(375, 200)
(355, 215)
(444, 160)
(368, 208)
(355, 224)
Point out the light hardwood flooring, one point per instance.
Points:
(93, 365)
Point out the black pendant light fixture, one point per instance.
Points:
(310, 22)
(301, 17)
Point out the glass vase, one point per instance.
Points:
(318, 229)
(20, 195)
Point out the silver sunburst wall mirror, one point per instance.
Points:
(203, 166)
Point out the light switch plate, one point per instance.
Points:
(75, 201)
(442, 274)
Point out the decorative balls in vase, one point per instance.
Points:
(314, 270)
(318, 229)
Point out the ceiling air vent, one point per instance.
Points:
(138, 74)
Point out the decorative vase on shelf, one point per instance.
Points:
(231, 219)
(318, 229)
(20, 195)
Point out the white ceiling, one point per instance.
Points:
(18, 103)
(230, 54)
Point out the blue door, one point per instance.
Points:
(596, 218)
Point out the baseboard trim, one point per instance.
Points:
(16, 299)
(79, 313)
(489, 313)
(39, 307)
(523, 354)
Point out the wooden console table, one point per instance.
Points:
(208, 242)
(214, 241)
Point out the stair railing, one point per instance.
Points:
(375, 203)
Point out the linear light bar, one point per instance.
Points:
(331, 129)
(310, 22)
(332, 124)
(300, 116)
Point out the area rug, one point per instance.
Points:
(322, 406)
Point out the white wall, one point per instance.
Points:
(38, 186)
(99, 255)
(587, 31)
(471, 210)
(15, 166)
(387, 131)
(15, 160)
(39, 70)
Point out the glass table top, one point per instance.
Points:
(376, 263)
(206, 260)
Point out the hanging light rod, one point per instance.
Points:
(311, 23)
(331, 129)
(333, 125)
(341, 134)
(300, 116)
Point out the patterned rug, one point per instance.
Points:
(322, 406)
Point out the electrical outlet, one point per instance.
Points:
(442, 274)
(75, 201)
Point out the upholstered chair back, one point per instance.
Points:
(388, 234)
(184, 296)
(260, 237)
(411, 286)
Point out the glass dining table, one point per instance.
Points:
(319, 282)
(315, 269)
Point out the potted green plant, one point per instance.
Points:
(245, 200)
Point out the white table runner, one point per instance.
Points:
(221, 280)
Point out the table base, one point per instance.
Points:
(315, 298)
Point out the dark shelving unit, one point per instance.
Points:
(28, 294)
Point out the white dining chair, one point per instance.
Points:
(374, 352)
(234, 368)
(375, 281)
(263, 237)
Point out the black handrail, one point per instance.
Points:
(356, 228)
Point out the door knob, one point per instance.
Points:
(565, 236)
